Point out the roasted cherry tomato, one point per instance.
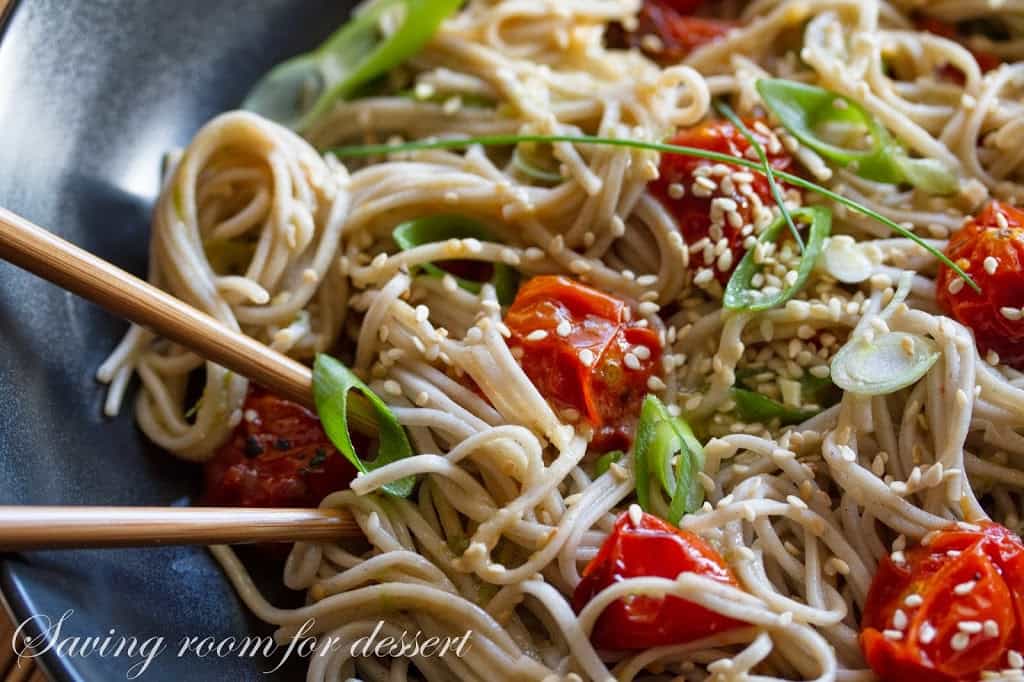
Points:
(652, 548)
(666, 32)
(991, 248)
(278, 456)
(948, 610)
(688, 192)
(986, 60)
(581, 351)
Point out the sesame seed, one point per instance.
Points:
(1015, 659)
(971, 627)
(990, 264)
(892, 634)
(642, 352)
(990, 628)
(676, 191)
(926, 633)
(964, 588)
(913, 600)
(586, 357)
(955, 286)
(655, 384)
(564, 328)
(960, 641)
(392, 387)
(898, 558)
(1012, 313)
(635, 514)
(899, 620)
(648, 308)
(1001, 220)
(537, 335)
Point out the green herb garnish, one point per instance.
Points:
(740, 294)
(440, 228)
(804, 110)
(298, 91)
(332, 383)
(666, 447)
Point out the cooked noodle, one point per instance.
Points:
(508, 511)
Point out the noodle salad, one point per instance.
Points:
(660, 340)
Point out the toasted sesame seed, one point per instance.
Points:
(631, 362)
(676, 191)
(655, 384)
(990, 628)
(971, 627)
(537, 335)
(990, 264)
(960, 641)
(899, 619)
(964, 588)
(955, 286)
(913, 600)
(1012, 313)
(564, 328)
(892, 634)
(587, 357)
(1015, 659)
(926, 634)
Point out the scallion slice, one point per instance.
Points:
(332, 383)
(440, 228)
(805, 109)
(301, 89)
(739, 292)
(885, 364)
(666, 447)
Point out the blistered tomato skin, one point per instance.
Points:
(991, 249)
(667, 32)
(582, 351)
(278, 456)
(688, 187)
(921, 611)
(656, 549)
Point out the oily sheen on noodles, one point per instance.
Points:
(510, 508)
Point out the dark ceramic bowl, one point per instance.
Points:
(92, 92)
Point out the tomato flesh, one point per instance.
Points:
(988, 237)
(606, 391)
(652, 548)
(693, 210)
(278, 456)
(991, 562)
(667, 33)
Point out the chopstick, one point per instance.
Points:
(27, 527)
(31, 527)
(43, 253)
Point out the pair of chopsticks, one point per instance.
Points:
(31, 527)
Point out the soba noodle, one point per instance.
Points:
(509, 510)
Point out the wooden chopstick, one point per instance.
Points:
(43, 253)
(32, 527)
(26, 527)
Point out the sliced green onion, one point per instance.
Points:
(441, 228)
(766, 167)
(332, 383)
(605, 461)
(303, 88)
(803, 109)
(532, 168)
(738, 292)
(666, 446)
(883, 365)
(507, 140)
(754, 407)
